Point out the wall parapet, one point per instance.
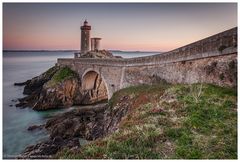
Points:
(220, 44)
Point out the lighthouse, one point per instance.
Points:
(85, 37)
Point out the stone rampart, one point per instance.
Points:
(210, 60)
(216, 45)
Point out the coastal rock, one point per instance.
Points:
(34, 127)
(37, 82)
(88, 122)
(61, 95)
(22, 83)
(84, 122)
(60, 87)
(97, 93)
(113, 115)
(45, 150)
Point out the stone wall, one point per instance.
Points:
(111, 75)
(211, 60)
(221, 70)
(216, 45)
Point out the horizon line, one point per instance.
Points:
(53, 50)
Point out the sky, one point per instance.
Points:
(122, 26)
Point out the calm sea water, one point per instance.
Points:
(18, 67)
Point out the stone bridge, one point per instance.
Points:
(210, 60)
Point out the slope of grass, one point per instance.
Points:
(170, 122)
(62, 74)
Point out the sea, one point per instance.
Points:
(19, 66)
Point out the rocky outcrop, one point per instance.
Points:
(88, 122)
(59, 87)
(98, 91)
(45, 150)
(61, 95)
(36, 83)
(35, 127)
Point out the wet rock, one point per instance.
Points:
(46, 149)
(46, 92)
(34, 127)
(22, 83)
(88, 122)
(36, 83)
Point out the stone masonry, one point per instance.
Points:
(210, 60)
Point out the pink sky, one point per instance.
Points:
(148, 27)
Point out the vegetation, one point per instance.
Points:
(196, 121)
(61, 75)
(51, 71)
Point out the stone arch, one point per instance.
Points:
(92, 78)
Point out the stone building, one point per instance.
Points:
(95, 44)
(85, 37)
(85, 41)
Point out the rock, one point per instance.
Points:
(118, 57)
(22, 83)
(47, 91)
(89, 122)
(28, 101)
(45, 150)
(36, 83)
(61, 95)
(34, 127)
(86, 123)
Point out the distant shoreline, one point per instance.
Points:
(75, 51)
(40, 50)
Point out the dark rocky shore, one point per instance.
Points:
(65, 130)
(60, 87)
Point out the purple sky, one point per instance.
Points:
(125, 26)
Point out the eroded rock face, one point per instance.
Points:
(60, 87)
(61, 95)
(45, 150)
(94, 88)
(88, 122)
(37, 82)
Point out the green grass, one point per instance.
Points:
(213, 118)
(62, 74)
(136, 90)
(170, 122)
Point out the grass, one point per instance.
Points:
(62, 74)
(51, 71)
(136, 90)
(196, 121)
